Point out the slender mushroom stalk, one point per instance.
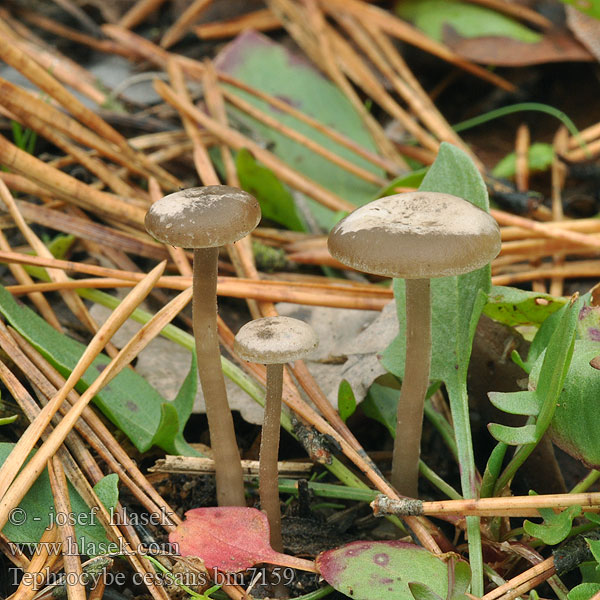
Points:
(273, 341)
(204, 219)
(416, 236)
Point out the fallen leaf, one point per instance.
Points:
(230, 539)
(367, 570)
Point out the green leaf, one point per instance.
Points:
(513, 436)
(8, 420)
(367, 570)
(129, 401)
(584, 591)
(595, 548)
(539, 158)
(107, 490)
(420, 591)
(414, 179)
(512, 306)
(556, 526)
(462, 579)
(346, 400)
(516, 403)
(576, 419)
(174, 416)
(546, 378)
(381, 405)
(589, 7)
(276, 201)
(260, 62)
(36, 512)
(469, 21)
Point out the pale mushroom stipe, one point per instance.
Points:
(416, 236)
(205, 218)
(273, 341)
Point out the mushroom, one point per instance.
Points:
(205, 218)
(415, 236)
(273, 341)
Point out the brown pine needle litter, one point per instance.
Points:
(101, 178)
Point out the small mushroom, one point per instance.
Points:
(415, 236)
(273, 341)
(205, 218)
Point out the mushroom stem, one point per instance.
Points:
(268, 483)
(228, 467)
(407, 445)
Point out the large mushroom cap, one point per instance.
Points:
(203, 217)
(275, 340)
(417, 235)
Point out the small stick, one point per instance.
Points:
(138, 12)
(191, 14)
(70, 552)
(505, 218)
(546, 567)
(512, 506)
(259, 20)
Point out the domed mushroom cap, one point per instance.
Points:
(203, 217)
(417, 235)
(274, 340)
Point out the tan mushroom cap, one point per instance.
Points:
(275, 340)
(417, 235)
(203, 217)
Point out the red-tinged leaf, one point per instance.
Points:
(367, 570)
(230, 539)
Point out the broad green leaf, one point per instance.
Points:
(590, 572)
(262, 63)
(129, 401)
(576, 419)
(420, 591)
(36, 512)
(595, 548)
(468, 20)
(367, 570)
(556, 526)
(462, 579)
(457, 303)
(381, 404)
(539, 158)
(512, 306)
(584, 591)
(346, 400)
(516, 403)
(513, 436)
(174, 416)
(414, 179)
(276, 201)
(589, 7)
